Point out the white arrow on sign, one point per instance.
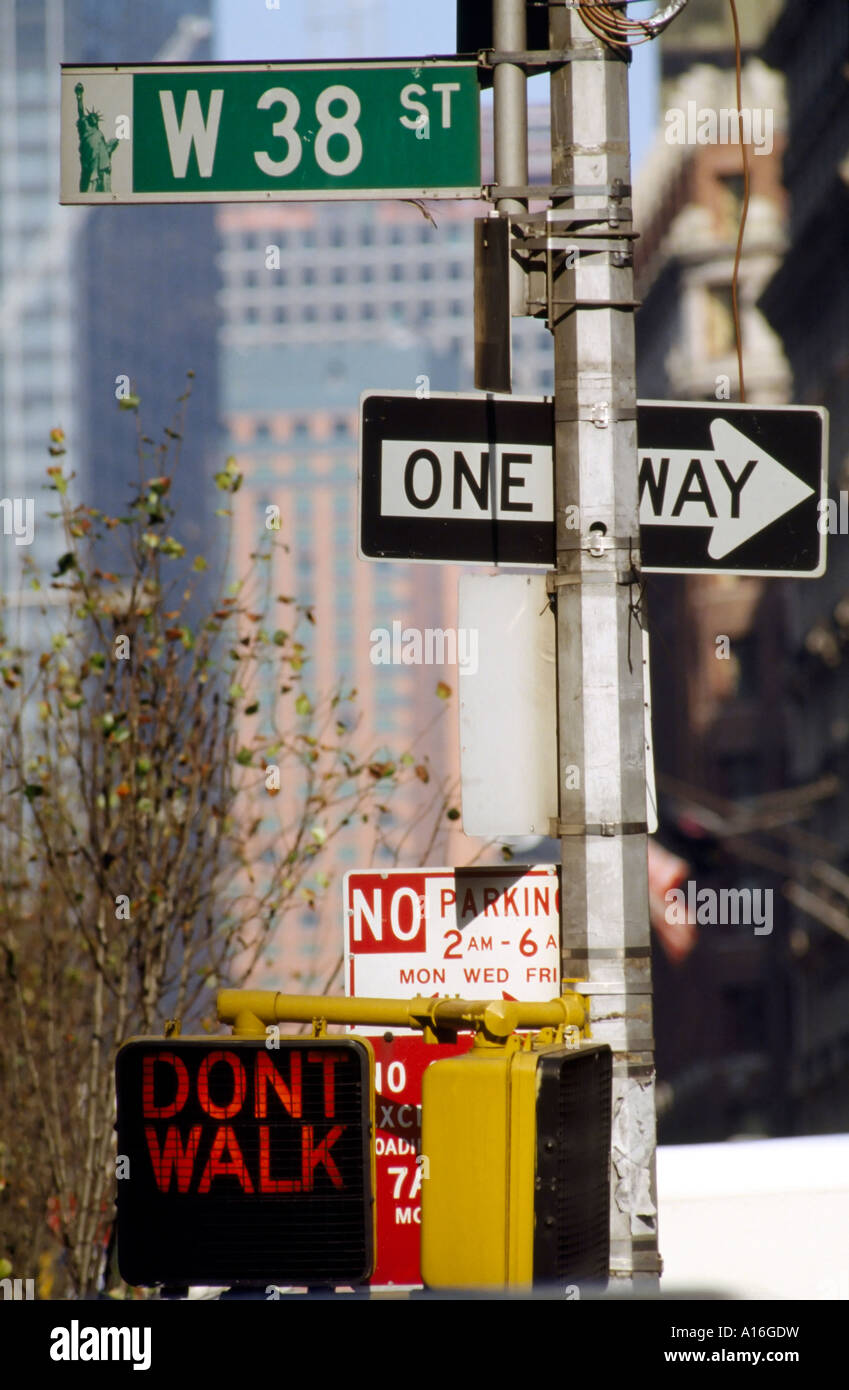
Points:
(738, 489)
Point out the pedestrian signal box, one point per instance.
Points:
(247, 1160)
(517, 1139)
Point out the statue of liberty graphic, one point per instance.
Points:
(95, 150)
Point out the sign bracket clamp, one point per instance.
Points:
(615, 192)
(558, 828)
(536, 59)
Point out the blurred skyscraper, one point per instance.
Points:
(87, 295)
(321, 302)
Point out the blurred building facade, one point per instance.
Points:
(807, 302)
(722, 725)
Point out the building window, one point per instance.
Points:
(366, 273)
(731, 203)
(719, 321)
(338, 275)
(741, 775)
(745, 666)
(396, 272)
(426, 271)
(309, 275)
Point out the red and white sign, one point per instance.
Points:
(401, 1168)
(480, 933)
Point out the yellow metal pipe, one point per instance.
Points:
(499, 1017)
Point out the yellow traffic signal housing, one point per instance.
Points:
(517, 1141)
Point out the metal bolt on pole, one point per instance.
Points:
(602, 780)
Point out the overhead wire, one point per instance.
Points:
(605, 19)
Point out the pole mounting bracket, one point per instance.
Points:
(558, 829)
(615, 191)
(624, 578)
(538, 58)
(601, 414)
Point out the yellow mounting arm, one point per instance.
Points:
(251, 1010)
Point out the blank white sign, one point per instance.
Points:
(508, 758)
(508, 730)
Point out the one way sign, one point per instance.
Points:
(733, 489)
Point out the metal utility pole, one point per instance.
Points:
(600, 715)
(510, 123)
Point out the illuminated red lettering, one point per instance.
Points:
(313, 1154)
(233, 1106)
(328, 1061)
(266, 1182)
(150, 1110)
(172, 1158)
(217, 1166)
(290, 1094)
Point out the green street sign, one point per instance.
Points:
(247, 132)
